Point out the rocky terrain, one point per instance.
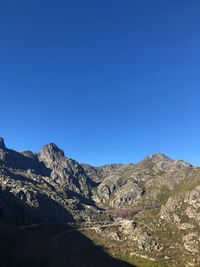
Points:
(144, 214)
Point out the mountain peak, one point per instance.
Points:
(2, 144)
(50, 152)
(52, 148)
(158, 156)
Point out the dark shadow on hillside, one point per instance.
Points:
(51, 246)
(25, 162)
(14, 209)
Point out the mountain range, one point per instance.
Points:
(55, 211)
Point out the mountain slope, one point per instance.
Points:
(146, 213)
(51, 186)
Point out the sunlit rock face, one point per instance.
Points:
(65, 171)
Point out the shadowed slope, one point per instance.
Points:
(39, 248)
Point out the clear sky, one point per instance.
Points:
(107, 80)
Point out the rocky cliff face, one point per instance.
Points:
(149, 209)
(129, 183)
(65, 172)
(45, 186)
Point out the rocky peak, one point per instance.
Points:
(161, 159)
(158, 157)
(51, 152)
(2, 144)
(157, 162)
(155, 158)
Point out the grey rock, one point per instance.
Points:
(66, 172)
(2, 144)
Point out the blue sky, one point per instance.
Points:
(108, 81)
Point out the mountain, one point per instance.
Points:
(145, 214)
(52, 186)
